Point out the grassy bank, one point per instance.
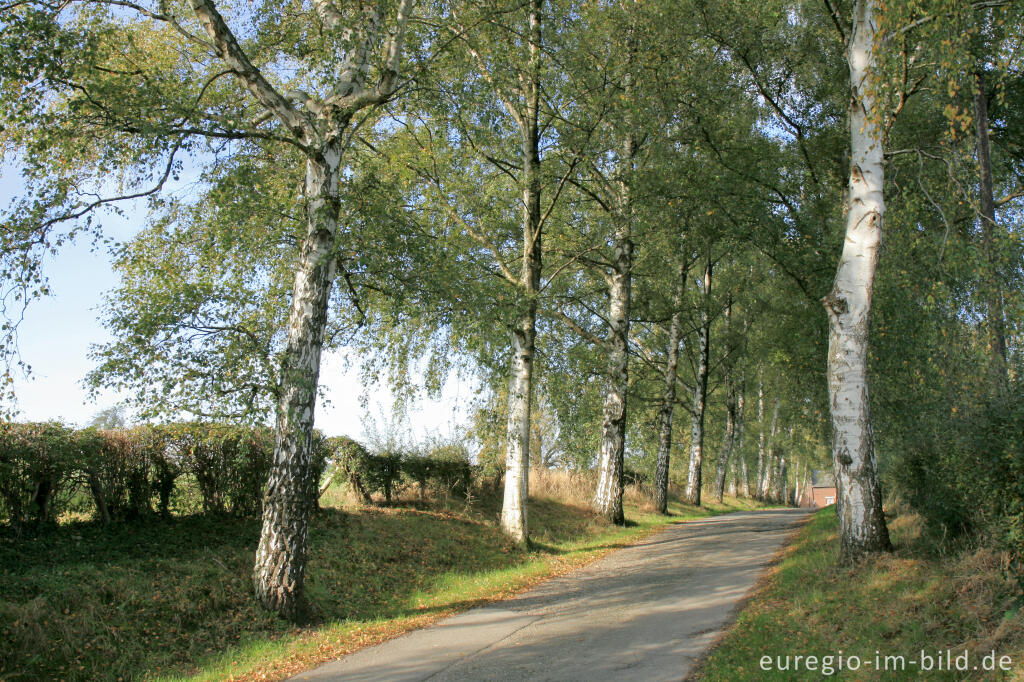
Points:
(171, 599)
(899, 604)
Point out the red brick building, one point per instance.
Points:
(820, 492)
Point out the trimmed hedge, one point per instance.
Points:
(37, 464)
(446, 469)
(47, 469)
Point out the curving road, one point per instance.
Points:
(646, 612)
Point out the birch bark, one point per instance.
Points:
(608, 497)
(765, 485)
(759, 481)
(740, 429)
(517, 461)
(668, 399)
(280, 569)
(700, 393)
(291, 491)
(862, 523)
(728, 440)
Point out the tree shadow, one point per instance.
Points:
(158, 596)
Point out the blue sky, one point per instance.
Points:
(57, 331)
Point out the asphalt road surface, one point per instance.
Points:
(645, 612)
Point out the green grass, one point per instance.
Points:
(898, 604)
(171, 599)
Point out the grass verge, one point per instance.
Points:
(899, 605)
(171, 599)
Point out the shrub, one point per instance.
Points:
(126, 470)
(966, 477)
(116, 464)
(445, 468)
(248, 454)
(348, 458)
(450, 469)
(37, 465)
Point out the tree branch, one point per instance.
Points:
(227, 48)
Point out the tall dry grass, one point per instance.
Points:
(577, 488)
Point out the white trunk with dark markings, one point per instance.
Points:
(744, 483)
(320, 126)
(668, 399)
(759, 481)
(700, 394)
(608, 496)
(728, 443)
(290, 492)
(862, 523)
(517, 460)
(780, 479)
(728, 440)
(764, 489)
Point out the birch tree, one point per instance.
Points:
(731, 414)
(524, 335)
(862, 521)
(138, 84)
(495, 178)
(668, 399)
(741, 468)
(700, 391)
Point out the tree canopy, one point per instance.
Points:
(624, 218)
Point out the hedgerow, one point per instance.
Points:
(46, 469)
(445, 469)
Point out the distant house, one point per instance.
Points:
(821, 491)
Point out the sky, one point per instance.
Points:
(57, 331)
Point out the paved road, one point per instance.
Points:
(646, 612)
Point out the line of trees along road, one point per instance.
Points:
(624, 218)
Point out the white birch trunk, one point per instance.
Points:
(517, 460)
(700, 393)
(290, 493)
(668, 399)
(744, 482)
(862, 523)
(608, 497)
(728, 441)
(759, 481)
(744, 478)
(765, 488)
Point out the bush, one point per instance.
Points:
(126, 470)
(116, 464)
(451, 471)
(445, 468)
(37, 466)
(967, 478)
(368, 473)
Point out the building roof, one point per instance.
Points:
(821, 478)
